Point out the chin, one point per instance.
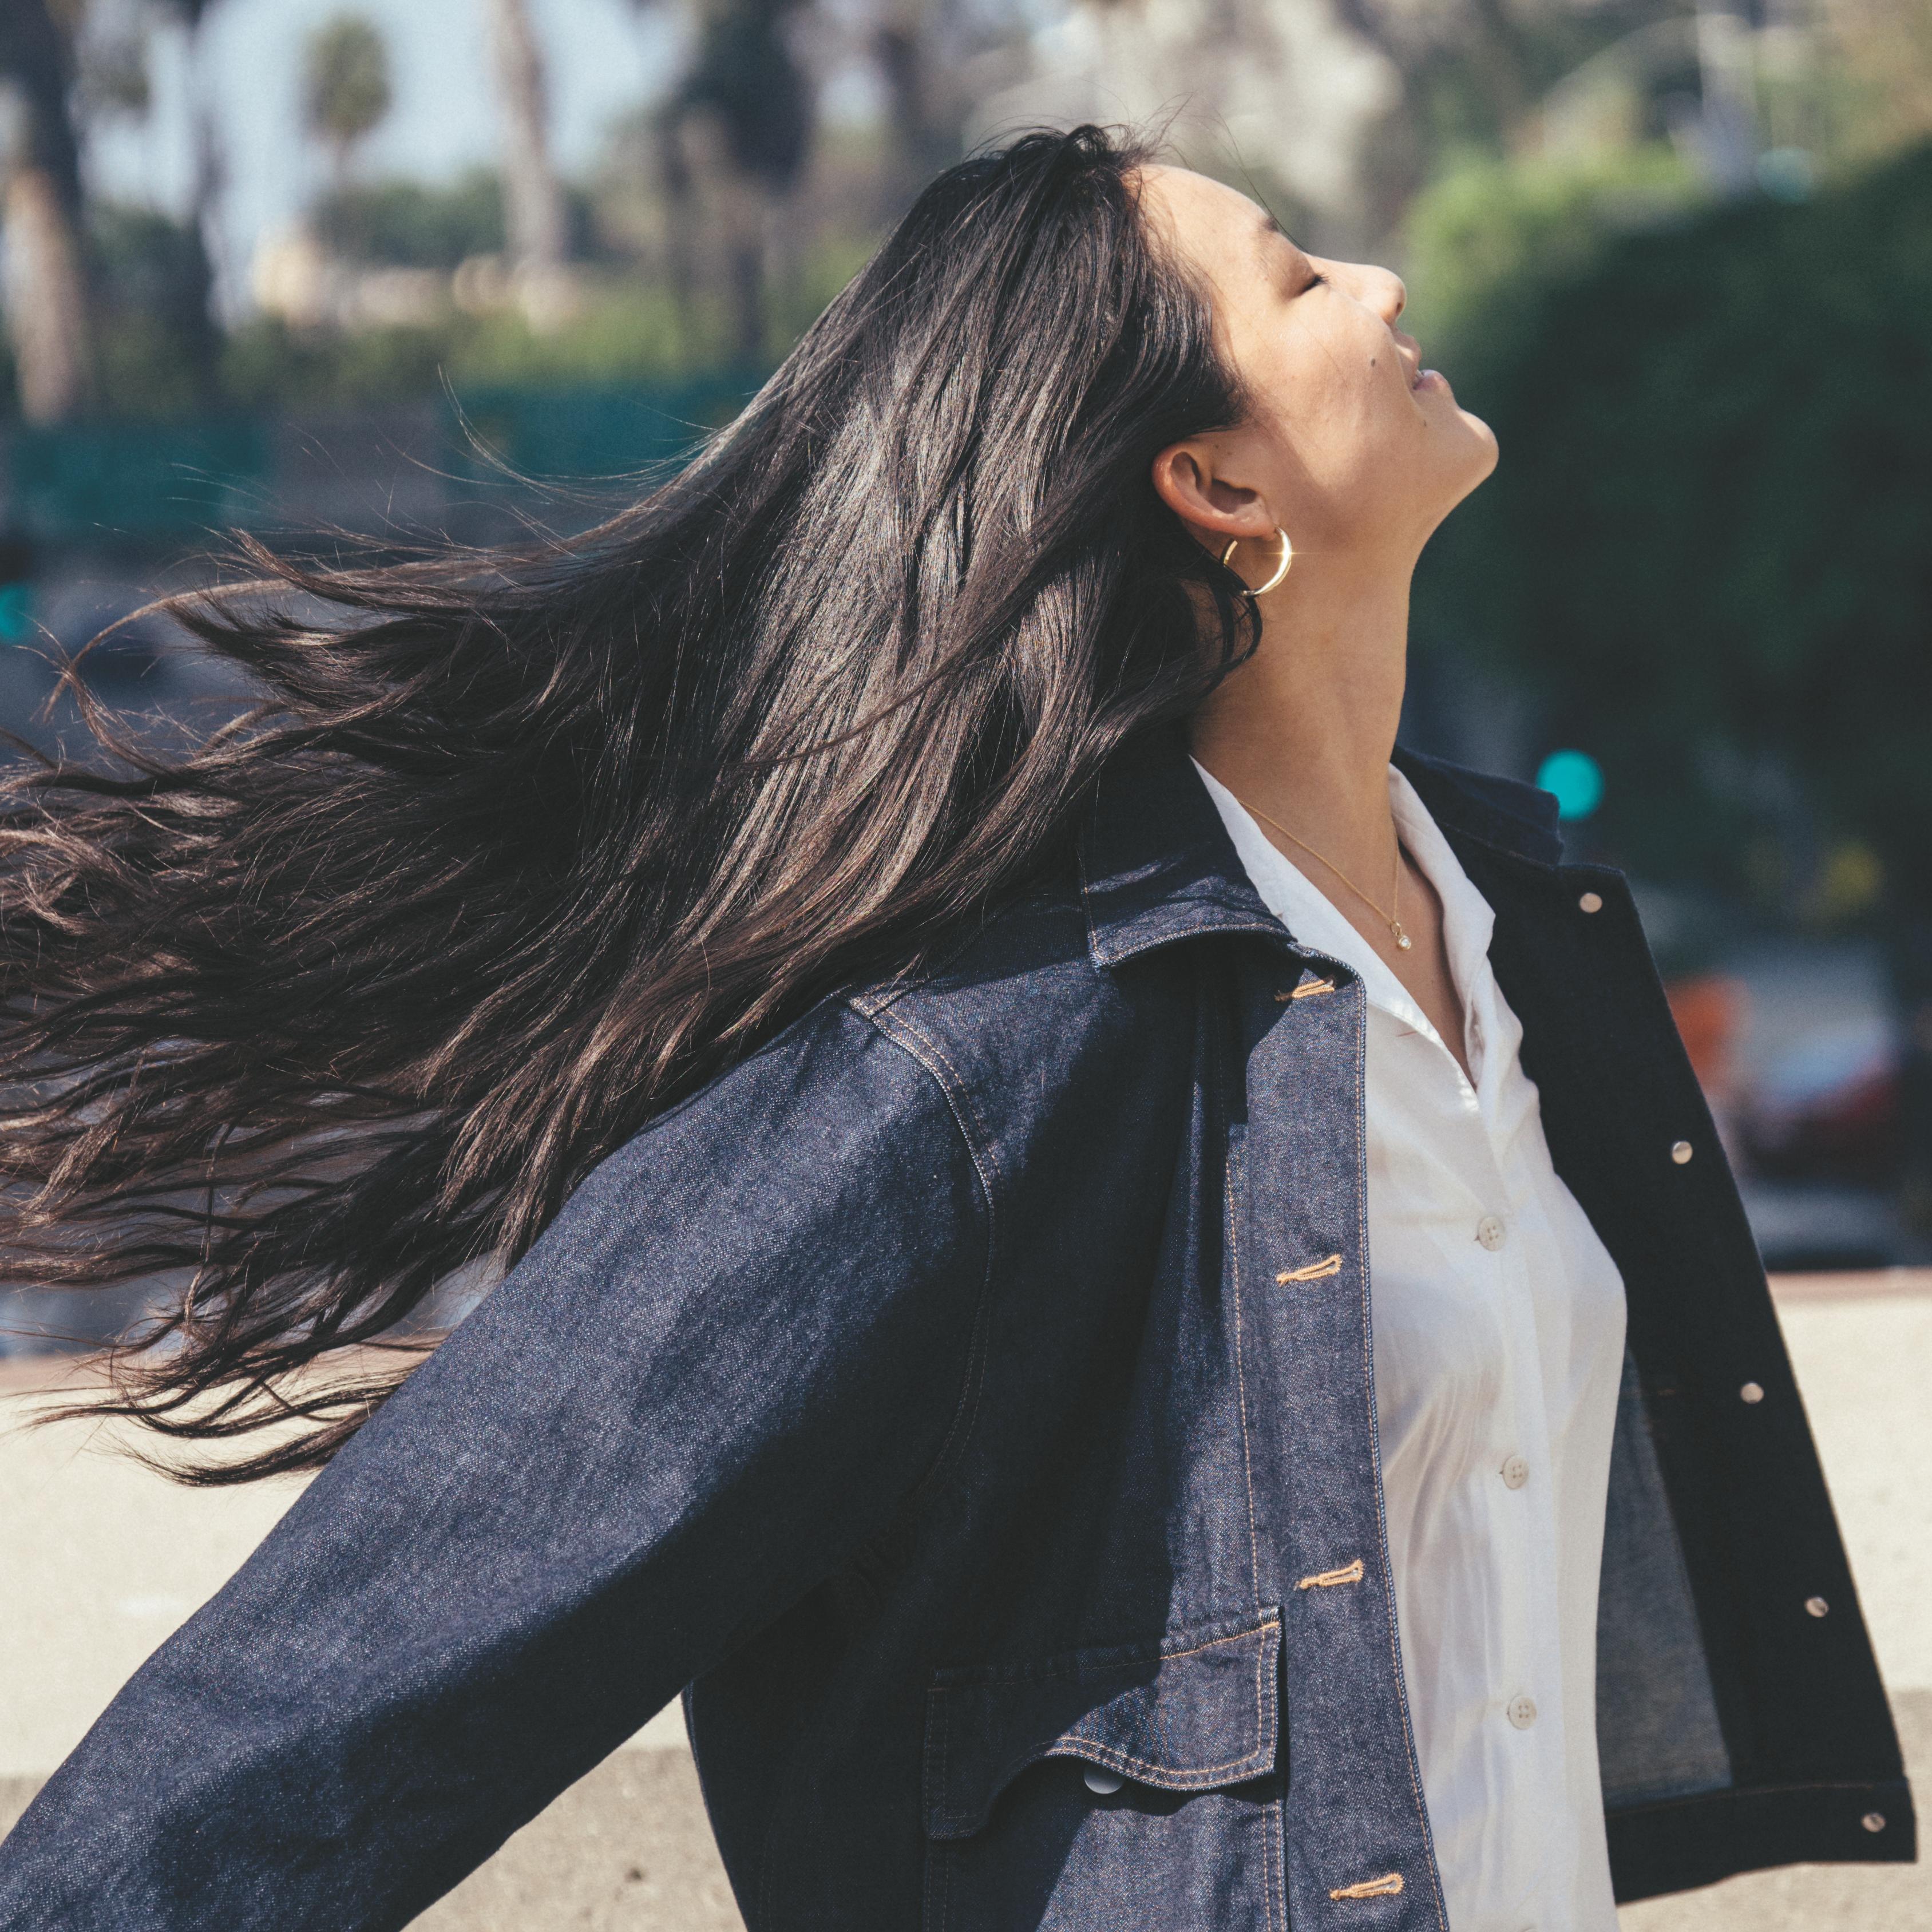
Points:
(1483, 449)
(1478, 458)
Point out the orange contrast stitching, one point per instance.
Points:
(1326, 1579)
(1241, 1381)
(1314, 1271)
(1270, 1835)
(1307, 989)
(1384, 1887)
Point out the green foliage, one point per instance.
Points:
(346, 80)
(142, 371)
(1489, 232)
(408, 224)
(1709, 541)
(267, 365)
(156, 344)
(627, 331)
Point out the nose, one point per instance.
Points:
(1381, 290)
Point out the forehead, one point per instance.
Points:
(1215, 226)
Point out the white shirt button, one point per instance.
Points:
(1102, 1783)
(1523, 1712)
(1491, 1233)
(1516, 1473)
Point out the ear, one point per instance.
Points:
(1188, 478)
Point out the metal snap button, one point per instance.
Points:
(1873, 1821)
(1680, 1151)
(1491, 1233)
(1516, 1473)
(1817, 1607)
(1591, 902)
(1523, 1712)
(1750, 1392)
(1103, 1783)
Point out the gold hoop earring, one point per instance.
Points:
(1280, 569)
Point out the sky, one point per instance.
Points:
(603, 57)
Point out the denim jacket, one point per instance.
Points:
(932, 1395)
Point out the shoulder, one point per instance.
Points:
(1514, 817)
(1032, 1040)
(828, 1119)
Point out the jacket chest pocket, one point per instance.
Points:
(1129, 1786)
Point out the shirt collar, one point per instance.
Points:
(1156, 865)
(1315, 916)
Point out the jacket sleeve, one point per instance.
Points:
(720, 1371)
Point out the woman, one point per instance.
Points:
(940, 1134)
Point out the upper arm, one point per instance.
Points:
(719, 1371)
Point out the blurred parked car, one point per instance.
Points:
(1801, 1049)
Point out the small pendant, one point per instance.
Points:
(1401, 939)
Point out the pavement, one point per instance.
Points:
(103, 1559)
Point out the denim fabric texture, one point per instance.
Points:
(932, 1396)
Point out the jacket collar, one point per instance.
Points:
(1156, 865)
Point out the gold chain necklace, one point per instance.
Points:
(1401, 938)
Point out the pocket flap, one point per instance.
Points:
(1199, 1710)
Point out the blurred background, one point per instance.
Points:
(279, 264)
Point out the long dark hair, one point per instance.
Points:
(526, 843)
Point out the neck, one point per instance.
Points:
(1303, 730)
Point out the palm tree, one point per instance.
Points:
(534, 222)
(48, 311)
(115, 84)
(745, 80)
(346, 85)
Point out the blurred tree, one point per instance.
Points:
(346, 88)
(536, 219)
(1487, 228)
(915, 45)
(157, 293)
(158, 351)
(50, 322)
(112, 82)
(1473, 75)
(746, 91)
(1706, 542)
(1886, 49)
(413, 225)
(209, 178)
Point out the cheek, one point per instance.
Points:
(1347, 424)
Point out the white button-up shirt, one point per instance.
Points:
(1498, 1335)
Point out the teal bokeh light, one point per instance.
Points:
(1577, 780)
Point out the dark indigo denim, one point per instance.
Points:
(923, 1396)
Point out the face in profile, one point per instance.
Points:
(1349, 442)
